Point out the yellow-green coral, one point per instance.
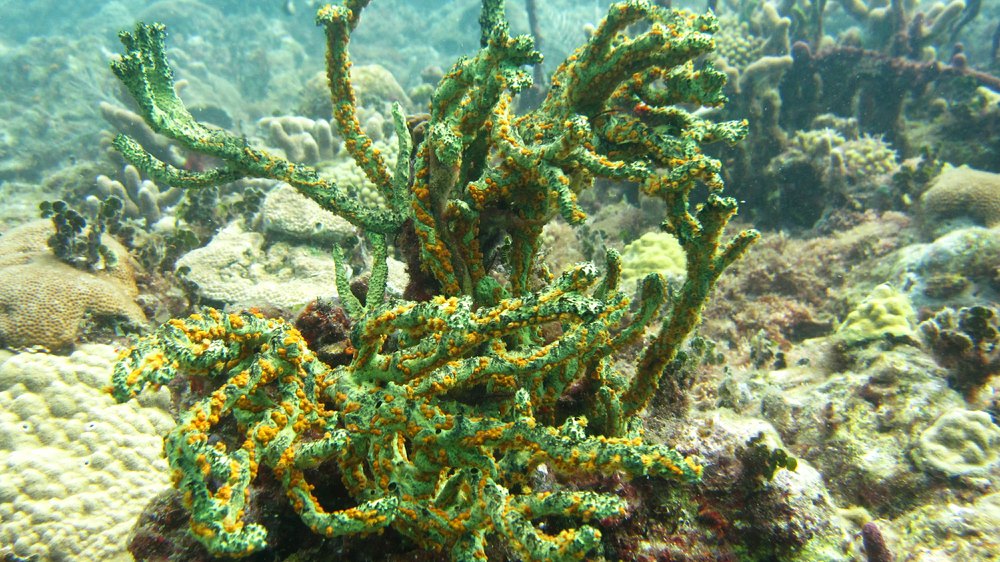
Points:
(861, 158)
(885, 313)
(960, 442)
(653, 252)
(736, 44)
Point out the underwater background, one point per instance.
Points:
(837, 400)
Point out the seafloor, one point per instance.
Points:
(858, 337)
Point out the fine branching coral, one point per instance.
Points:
(449, 404)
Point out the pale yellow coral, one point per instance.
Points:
(885, 313)
(653, 252)
(961, 442)
(76, 469)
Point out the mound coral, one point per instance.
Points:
(963, 192)
(77, 468)
(44, 301)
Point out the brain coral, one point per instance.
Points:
(76, 467)
(963, 192)
(44, 301)
(961, 442)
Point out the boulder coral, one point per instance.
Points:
(653, 252)
(886, 313)
(963, 193)
(46, 302)
(960, 443)
(77, 468)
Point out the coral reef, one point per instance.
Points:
(792, 289)
(44, 301)
(957, 269)
(962, 193)
(961, 442)
(848, 170)
(793, 515)
(908, 29)
(909, 74)
(956, 531)
(288, 215)
(878, 413)
(77, 468)
(478, 181)
(142, 199)
(375, 87)
(275, 264)
(978, 111)
(856, 415)
(855, 157)
(559, 246)
(876, 85)
(130, 122)
(754, 49)
(235, 269)
(885, 314)
(302, 139)
(449, 405)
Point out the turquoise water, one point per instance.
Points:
(858, 336)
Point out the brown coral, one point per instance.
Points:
(963, 192)
(44, 301)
